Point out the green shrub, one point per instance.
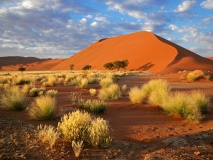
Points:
(74, 97)
(136, 95)
(13, 99)
(110, 93)
(47, 134)
(95, 106)
(192, 76)
(43, 108)
(74, 126)
(99, 133)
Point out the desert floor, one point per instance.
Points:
(140, 131)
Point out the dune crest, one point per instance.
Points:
(145, 51)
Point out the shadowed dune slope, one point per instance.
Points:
(14, 60)
(144, 51)
(36, 66)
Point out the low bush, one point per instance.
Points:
(26, 88)
(80, 127)
(47, 134)
(13, 99)
(136, 95)
(194, 75)
(83, 83)
(153, 85)
(74, 126)
(111, 92)
(34, 92)
(94, 106)
(99, 133)
(43, 108)
(106, 82)
(92, 92)
(52, 93)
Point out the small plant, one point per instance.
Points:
(110, 93)
(191, 76)
(52, 93)
(123, 89)
(74, 96)
(201, 100)
(22, 69)
(92, 92)
(72, 66)
(26, 88)
(83, 83)
(77, 147)
(136, 95)
(34, 92)
(87, 67)
(99, 133)
(74, 126)
(13, 99)
(207, 76)
(106, 82)
(158, 97)
(95, 106)
(153, 85)
(47, 134)
(43, 108)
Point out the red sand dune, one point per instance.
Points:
(210, 58)
(36, 66)
(145, 51)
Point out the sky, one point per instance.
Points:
(61, 28)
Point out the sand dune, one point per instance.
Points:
(145, 52)
(14, 60)
(36, 66)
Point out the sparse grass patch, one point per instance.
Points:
(83, 83)
(99, 134)
(106, 82)
(34, 92)
(92, 92)
(136, 95)
(43, 108)
(47, 134)
(52, 93)
(13, 99)
(111, 92)
(94, 106)
(74, 126)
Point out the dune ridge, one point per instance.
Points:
(145, 52)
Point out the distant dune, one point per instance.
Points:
(13, 60)
(145, 52)
(210, 58)
(36, 66)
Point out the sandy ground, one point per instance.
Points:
(140, 131)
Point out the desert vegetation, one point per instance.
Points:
(91, 94)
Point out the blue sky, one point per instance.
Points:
(61, 28)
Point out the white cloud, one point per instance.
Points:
(94, 24)
(208, 4)
(185, 6)
(173, 27)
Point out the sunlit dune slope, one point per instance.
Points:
(144, 51)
